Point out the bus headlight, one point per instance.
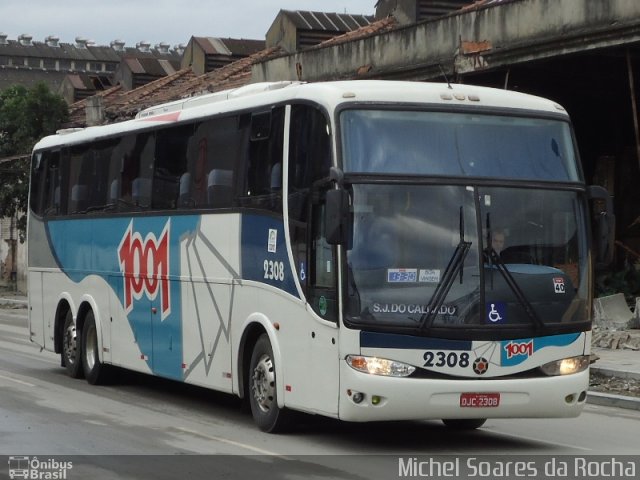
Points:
(379, 366)
(566, 366)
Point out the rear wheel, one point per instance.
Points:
(464, 423)
(94, 369)
(71, 348)
(262, 389)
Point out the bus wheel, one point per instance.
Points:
(262, 389)
(464, 423)
(94, 370)
(71, 349)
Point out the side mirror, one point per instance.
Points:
(604, 227)
(337, 224)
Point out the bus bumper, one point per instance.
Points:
(388, 398)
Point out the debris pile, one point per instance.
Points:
(616, 339)
(612, 384)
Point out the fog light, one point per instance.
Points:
(357, 397)
(375, 400)
(569, 398)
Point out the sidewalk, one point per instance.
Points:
(13, 299)
(619, 363)
(623, 364)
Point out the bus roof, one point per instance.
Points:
(328, 94)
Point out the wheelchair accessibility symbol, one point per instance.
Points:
(496, 312)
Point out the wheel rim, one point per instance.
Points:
(91, 348)
(70, 344)
(264, 383)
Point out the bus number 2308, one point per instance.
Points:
(450, 359)
(273, 270)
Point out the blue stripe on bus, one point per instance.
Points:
(90, 247)
(84, 247)
(408, 342)
(264, 252)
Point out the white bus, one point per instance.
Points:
(363, 250)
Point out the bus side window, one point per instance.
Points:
(323, 279)
(51, 190)
(136, 154)
(309, 161)
(97, 178)
(170, 166)
(264, 168)
(38, 175)
(216, 149)
(80, 159)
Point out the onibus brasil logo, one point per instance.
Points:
(34, 468)
(145, 267)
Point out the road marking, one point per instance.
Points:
(27, 384)
(96, 422)
(231, 442)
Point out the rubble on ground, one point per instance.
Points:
(615, 326)
(616, 339)
(629, 387)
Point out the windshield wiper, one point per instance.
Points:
(513, 285)
(495, 260)
(455, 266)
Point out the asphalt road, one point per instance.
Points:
(141, 424)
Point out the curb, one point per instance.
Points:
(14, 302)
(609, 372)
(612, 400)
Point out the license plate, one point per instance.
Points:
(479, 400)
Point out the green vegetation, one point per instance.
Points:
(26, 115)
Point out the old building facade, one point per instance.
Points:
(581, 53)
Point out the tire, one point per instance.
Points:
(464, 423)
(71, 348)
(262, 390)
(94, 370)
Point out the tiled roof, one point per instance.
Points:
(374, 28)
(129, 103)
(77, 81)
(120, 105)
(243, 47)
(227, 75)
(77, 109)
(89, 81)
(337, 22)
(229, 46)
(69, 51)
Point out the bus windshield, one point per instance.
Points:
(420, 259)
(459, 254)
(454, 144)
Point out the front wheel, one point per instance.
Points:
(262, 389)
(464, 423)
(94, 369)
(71, 348)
